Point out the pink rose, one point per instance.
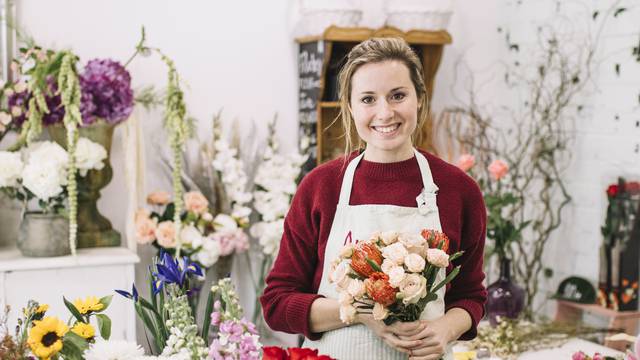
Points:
(158, 198)
(145, 227)
(166, 234)
(598, 356)
(195, 202)
(438, 258)
(231, 241)
(498, 169)
(466, 162)
(579, 355)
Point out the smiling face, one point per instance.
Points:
(384, 106)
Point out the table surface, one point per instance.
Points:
(560, 353)
(12, 260)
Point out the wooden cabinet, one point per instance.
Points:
(320, 59)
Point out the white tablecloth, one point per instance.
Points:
(561, 353)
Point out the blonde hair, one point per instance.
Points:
(376, 50)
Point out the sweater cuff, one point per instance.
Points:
(475, 310)
(297, 316)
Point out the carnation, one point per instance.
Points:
(113, 350)
(209, 252)
(43, 179)
(89, 156)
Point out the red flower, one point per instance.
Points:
(361, 252)
(379, 289)
(319, 357)
(302, 353)
(612, 190)
(434, 238)
(274, 353)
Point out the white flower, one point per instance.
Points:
(113, 350)
(189, 235)
(389, 237)
(413, 242)
(395, 252)
(225, 222)
(438, 258)
(356, 288)
(380, 312)
(414, 263)
(47, 151)
(10, 168)
(269, 235)
(89, 156)
(347, 251)
(413, 288)
(396, 276)
(347, 313)
(209, 253)
(44, 180)
(344, 298)
(340, 276)
(387, 265)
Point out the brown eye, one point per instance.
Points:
(398, 96)
(367, 99)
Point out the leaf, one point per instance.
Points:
(73, 346)
(455, 256)
(373, 264)
(548, 273)
(72, 308)
(104, 324)
(514, 47)
(619, 11)
(595, 14)
(448, 279)
(207, 315)
(617, 68)
(106, 300)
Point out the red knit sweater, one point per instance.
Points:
(294, 280)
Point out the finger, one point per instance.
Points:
(407, 328)
(424, 341)
(427, 334)
(426, 357)
(402, 344)
(437, 350)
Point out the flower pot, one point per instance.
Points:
(94, 230)
(44, 235)
(10, 212)
(504, 297)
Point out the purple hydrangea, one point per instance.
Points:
(54, 103)
(106, 92)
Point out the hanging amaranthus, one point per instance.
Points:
(70, 95)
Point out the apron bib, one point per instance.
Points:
(359, 222)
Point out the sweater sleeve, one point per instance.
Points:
(287, 298)
(467, 291)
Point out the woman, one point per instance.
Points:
(390, 186)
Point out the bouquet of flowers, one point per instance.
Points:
(391, 275)
(48, 337)
(236, 337)
(40, 171)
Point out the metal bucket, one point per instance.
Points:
(44, 235)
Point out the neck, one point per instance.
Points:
(383, 156)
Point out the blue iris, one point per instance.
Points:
(129, 295)
(172, 271)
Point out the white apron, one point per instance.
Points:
(359, 222)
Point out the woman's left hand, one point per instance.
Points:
(433, 340)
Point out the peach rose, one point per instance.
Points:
(414, 263)
(413, 288)
(158, 198)
(344, 298)
(145, 228)
(346, 251)
(438, 258)
(413, 242)
(389, 237)
(356, 288)
(498, 169)
(396, 276)
(340, 276)
(166, 234)
(380, 312)
(395, 252)
(347, 313)
(466, 162)
(196, 202)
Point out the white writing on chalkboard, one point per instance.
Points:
(307, 104)
(308, 117)
(309, 63)
(309, 83)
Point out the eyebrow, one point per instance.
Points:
(373, 93)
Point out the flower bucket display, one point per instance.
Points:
(43, 235)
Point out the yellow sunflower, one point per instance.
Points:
(45, 337)
(42, 308)
(91, 303)
(86, 331)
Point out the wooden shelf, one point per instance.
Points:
(329, 104)
(358, 34)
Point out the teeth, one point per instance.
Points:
(386, 129)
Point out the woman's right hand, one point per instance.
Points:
(389, 333)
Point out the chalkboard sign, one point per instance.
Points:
(310, 58)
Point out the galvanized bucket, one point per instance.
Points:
(44, 235)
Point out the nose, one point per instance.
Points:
(385, 110)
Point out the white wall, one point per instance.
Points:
(240, 56)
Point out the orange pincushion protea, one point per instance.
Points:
(361, 252)
(434, 238)
(379, 289)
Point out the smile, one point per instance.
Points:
(386, 129)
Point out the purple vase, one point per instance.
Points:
(504, 298)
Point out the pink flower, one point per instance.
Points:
(598, 356)
(195, 202)
(466, 162)
(166, 234)
(498, 169)
(578, 356)
(145, 227)
(215, 318)
(158, 198)
(437, 258)
(231, 241)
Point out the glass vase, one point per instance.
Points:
(505, 299)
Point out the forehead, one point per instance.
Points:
(381, 77)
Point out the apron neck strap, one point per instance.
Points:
(347, 181)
